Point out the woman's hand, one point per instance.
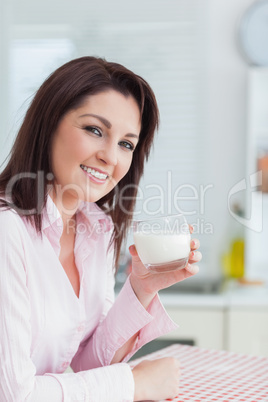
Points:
(156, 379)
(145, 282)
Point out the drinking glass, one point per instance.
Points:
(163, 243)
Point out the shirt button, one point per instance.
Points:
(65, 365)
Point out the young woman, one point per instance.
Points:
(67, 199)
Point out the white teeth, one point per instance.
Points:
(95, 173)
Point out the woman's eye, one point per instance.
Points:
(93, 130)
(127, 145)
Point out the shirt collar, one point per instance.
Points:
(97, 222)
(51, 214)
(88, 212)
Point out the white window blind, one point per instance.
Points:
(170, 55)
(32, 60)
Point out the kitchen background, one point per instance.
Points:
(213, 137)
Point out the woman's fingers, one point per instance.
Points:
(195, 244)
(133, 250)
(195, 256)
(192, 269)
(156, 379)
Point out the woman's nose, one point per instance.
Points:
(108, 154)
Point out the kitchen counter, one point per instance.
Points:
(229, 294)
(175, 299)
(246, 295)
(232, 294)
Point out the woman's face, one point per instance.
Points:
(93, 146)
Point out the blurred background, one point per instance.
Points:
(207, 63)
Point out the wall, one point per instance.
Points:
(226, 113)
(5, 16)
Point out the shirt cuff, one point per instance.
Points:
(126, 317)
(113, 383)
(150, 323)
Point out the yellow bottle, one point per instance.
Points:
(237, 251)
(237, 258)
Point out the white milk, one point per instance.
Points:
(162, 248)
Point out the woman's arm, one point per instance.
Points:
(125, 318)
(146, 295)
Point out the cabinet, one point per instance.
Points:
(201, 327)
(247, 331)
(235, 320)
(236, 329)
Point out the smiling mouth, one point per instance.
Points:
(94, 173)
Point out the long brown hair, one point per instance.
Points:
(64, 90)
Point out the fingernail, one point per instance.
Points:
(193, 243)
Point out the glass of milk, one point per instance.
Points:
(163, 243)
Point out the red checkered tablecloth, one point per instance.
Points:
(211, 375)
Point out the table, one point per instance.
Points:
(212, 375)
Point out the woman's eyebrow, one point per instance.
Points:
(106, 123)
(102, 119)
(132, 135)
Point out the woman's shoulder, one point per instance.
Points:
(10, 221)
(8, 213)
